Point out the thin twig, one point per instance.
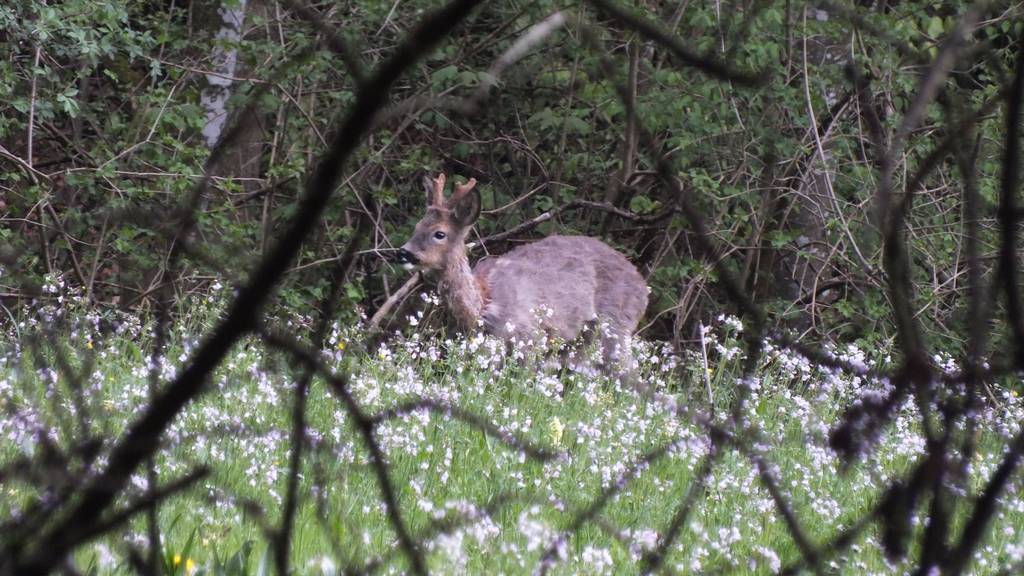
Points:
(141, 439)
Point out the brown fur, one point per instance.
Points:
(579, 280)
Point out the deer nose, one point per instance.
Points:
(406, 257)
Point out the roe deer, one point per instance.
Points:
(578, 282)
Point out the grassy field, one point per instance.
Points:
(502, 508)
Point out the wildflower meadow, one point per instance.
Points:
(609, 287)
(476, 499)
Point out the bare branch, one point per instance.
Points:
(707, 64)
(142, 436)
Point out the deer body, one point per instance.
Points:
(558, 286)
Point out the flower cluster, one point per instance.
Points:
(479, 503)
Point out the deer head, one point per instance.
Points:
(440, 237)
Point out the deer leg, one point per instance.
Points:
(616, 357)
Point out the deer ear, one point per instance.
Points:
(467, 209)
(428, 187)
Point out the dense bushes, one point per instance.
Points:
(105, 101)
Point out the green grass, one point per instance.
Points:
(446, 469)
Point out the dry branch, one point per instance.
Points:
(141, 440)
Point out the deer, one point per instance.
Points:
(560, 286)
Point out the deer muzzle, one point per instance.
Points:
(407, 259)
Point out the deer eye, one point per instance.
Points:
(440, 235)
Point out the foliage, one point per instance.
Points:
(116, 110)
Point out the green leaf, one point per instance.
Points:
(440, 77)
(780, 238)
(577, 126)
(263, 568)
(238, 563)
(353, 291)
(642, 204)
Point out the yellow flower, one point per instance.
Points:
(341, 345)
(89, 344)
(190, 564)
(556, 428)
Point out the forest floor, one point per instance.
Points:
(481, 505)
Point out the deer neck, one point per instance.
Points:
(460, 290)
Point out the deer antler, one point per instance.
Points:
(461, 190)
(438, 198)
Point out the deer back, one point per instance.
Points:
(559, 285)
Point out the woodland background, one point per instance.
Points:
(105, 104)
(831, 173)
